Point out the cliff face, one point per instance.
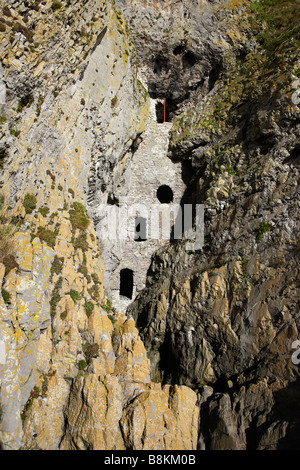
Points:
(203, 356)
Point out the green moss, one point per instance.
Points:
(29, 203)
(26, 101)
(263, 228)
(95, 278)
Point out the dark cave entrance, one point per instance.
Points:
(164, 194)
(140, 229)
(126, 283)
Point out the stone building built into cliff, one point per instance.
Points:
(154, 187)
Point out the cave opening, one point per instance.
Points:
(164, 194)
(140, 229)
(126, 283)
(188, 60)
(161, 65)
(179, 49)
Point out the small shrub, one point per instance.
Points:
(80, 242)
(57, 265)
(82, 365)
(6, 242)
(75, 295)
(29, 203)
(44, 211)
(47, 236)
(49, 173)
(10, 263)
(114, 101)
(94, 292)
(90, 350)
(13, 132)
(63, 315)
(2, 28)
(56, 5)
(108, 306)
(112, 319)
(39, 105)
(82, 101)
(78, 217)
(5, 295)
(25, 101)
(19, 28)
(55, 298)
(95, 278)
(89, 308)
(27, 407)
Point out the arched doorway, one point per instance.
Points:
(126, 283)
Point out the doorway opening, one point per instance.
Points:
(160, 112)
(126, 282)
